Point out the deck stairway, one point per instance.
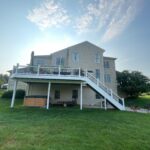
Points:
(57, 73)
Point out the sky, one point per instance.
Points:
(121, 27)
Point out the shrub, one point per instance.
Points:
(19, 94)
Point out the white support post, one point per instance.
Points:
(48, 95)
(27, 89)
(105, 104)
(81, 96)
(14, 94)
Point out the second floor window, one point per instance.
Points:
(106, 64)
(107, 78)
(97, 58)
(59, 61)
(97, 74)
(75, 57)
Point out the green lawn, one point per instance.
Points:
(142, 101)
(71, 129)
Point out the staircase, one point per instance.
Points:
(107, 93)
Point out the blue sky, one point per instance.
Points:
(121, 27)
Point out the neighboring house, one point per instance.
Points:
(79, 74)
(4, 86)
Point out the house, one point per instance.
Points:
(79, 74)
(4, 86)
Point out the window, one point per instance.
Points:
(97, 74)
(40, 62)
(98, 96)
(106, 64)
(57, 94)
(75, 57)
(107, 78)
(59, 61)
(97, 58)
(74, 94)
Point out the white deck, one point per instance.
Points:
(69, 74)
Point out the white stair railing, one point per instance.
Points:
(106, 89)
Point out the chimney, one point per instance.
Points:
(32, 55)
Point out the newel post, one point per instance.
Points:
(59, 70)
(123, 102)
(111, 92)
(79, 72)
(86, 72)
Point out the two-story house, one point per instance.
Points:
(78, 74)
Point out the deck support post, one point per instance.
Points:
(81, 96)
(14, 94)
(105, 104)
(48, 95)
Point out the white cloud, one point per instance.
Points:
(83, 23)
(113, 16)
(49, 14)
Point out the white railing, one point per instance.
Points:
(40, 70)
(60, 71)
(106, 89)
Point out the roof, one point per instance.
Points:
(85, 42)
(113, 58)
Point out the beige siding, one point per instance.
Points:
(87, 54)
(39, 89)
(112, 72)
(89, 98)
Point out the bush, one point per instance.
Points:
(19, 94)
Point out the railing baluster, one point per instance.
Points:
(79, 72)
(38, 70)
(59, 70)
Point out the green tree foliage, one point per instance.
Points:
(132, 83)
(3, 79)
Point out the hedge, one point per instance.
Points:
(19, 94)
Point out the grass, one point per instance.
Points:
(71, 129)
(142, 102)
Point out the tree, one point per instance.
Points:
(3, 79)
(132, 83)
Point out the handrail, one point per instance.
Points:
(100, 84)
(106, 89)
